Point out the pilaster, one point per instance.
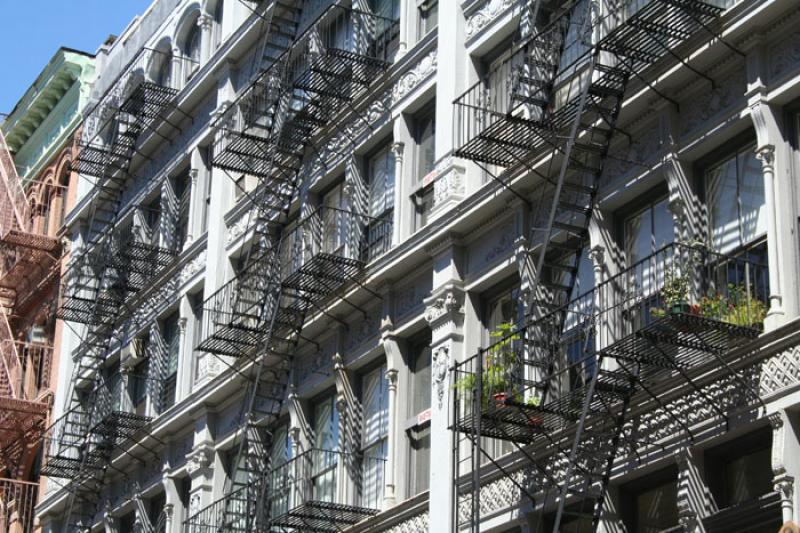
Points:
(445, 315)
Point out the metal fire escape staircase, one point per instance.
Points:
(24, 366)
(258, 316)
(557, 124)
(112, 265)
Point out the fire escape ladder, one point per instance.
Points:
(116, 261)
(563, 117)
(258, 316)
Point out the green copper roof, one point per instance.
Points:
(49, 111)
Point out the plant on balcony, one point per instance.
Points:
(737, 307)
(496, 382)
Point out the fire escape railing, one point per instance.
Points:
(722, 291)
(14, 206)
(318, 490)
(325, 490)
(17, 503)
(671, 314)
(340, 53)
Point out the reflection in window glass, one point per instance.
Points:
(657, 508)
(736, 202)
(747, 477)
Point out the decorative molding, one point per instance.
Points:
(784, 54)
(414, 77)
(703, 106)
(448, 306)
(490, 11)
(198, 460)
(441, 363)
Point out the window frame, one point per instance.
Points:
(716, 159)
(718, 458)
(630, 492)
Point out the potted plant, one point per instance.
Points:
(499, 363)
(676, 292)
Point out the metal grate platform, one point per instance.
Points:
(323, 517)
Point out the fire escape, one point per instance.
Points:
(310, 72)
(29, 260)
(117, 260)
(564, 389)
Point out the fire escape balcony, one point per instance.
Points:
(321, 252)
(24, 396)
(525, 107)
(115, 418)
(325, 491)
(317, 491)
(330, 247)
(131, 105)
(682, 309)
(81, 442)
(328, 66)
(17, 503)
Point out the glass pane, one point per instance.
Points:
(375, 403)
(421, 449)
(422, 380)
(657, 509)
(723, 211)
(748, 477)
(426, 157)
(751, 197)
(326, 425)
(372, 474)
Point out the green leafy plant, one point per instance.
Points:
(496, 375)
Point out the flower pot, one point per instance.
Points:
(500, 399)
(679, 308)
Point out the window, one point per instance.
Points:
(163, 74)
(281, 482)
(196, 301)
(182, 192)
(335, 219)
(741, 470)
(374, 436)
(389, 11)
(650, 505)
(192, 50)
(645, 232)
(139, 385)
(734, 192)
(502, 307)
(425, 163)
(381, 183)
(578, 340)
(156, 509)
(428, 17)
(419, 434)
(425, 138)
(206, 188)
(648, 230)
(326, 444)
(579, 34)
(172, 345)
(218, 14)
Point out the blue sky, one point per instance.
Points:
(32, 30)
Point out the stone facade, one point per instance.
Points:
(456, 261)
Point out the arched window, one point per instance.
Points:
(192, 43)
(163, 75)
